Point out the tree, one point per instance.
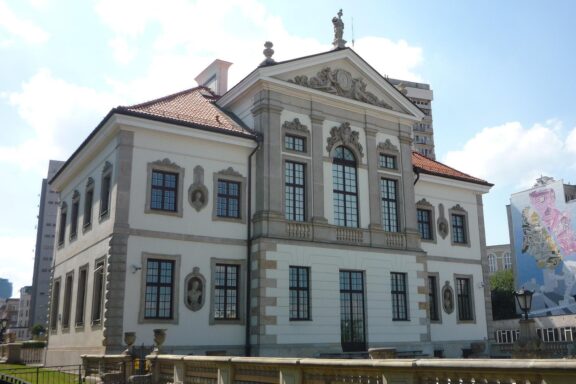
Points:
(37, 330)
(502, 292)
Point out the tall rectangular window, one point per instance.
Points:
(55, 304)
(98, 292)
(67, 300)
(424, 224)
(459, 229)
(62, 228)
(164, 190)
(105, 193)
(294, 191)
(295, 143)
(387, 161)
(433, 309)
(88, 202)
(299, 293)
(345, 184)
(388, 194)
(399, 296)
(75, 214)
(159, 289)
(463, 294)
(81, 296)
(226, 289)
(228, 204)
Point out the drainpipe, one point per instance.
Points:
(247, 346)
(417, 172)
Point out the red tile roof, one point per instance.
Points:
(432, 167)
(194, 107)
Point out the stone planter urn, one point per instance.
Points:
(129, 339)
(159, 339)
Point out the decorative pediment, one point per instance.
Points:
(424, 203)
(340, 82)
(295, 125)
(346, 136)
(90, 182)
(387, 146)
(230, 172)
(166, 163)
(457, 207)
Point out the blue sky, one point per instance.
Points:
(502, 75)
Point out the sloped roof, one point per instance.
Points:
(194, 107)
(431, 167)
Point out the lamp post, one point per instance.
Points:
(3, 326)
(528, 344)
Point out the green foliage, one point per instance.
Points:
(502, 281)
(502, 287)
(37, 330)
(34, 344)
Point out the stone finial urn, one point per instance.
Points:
(159, 339)
(129, 339)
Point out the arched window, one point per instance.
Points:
(492, 262)
(345, 182)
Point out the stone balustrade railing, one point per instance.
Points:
(228, 370)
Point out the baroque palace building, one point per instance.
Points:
(287, 216)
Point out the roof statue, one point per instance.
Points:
(338, 42)
(268, 52)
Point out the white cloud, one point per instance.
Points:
(513, 156)
(17, 260)
(61, 115)
(18, 27)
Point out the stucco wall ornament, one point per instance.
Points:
(424, 203)
(387, 146)
(230, 172)
(345, 136)
(198, 193)
(295, 125)
(340, 82)
(166, 163)
(195, 285)
(447, 298)
(442, 223)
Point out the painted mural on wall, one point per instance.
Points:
(544, 230)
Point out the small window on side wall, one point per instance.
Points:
(105, 191)
(62, 226)
(88, 203)
(229, 192)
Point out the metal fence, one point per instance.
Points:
(64, 374)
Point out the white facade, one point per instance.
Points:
(181, 259)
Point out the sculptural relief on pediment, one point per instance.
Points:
(340, 82)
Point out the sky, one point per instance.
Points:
(501, 71)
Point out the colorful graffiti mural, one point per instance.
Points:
(544, 237)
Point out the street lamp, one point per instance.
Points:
(3, 326)
(524, 299)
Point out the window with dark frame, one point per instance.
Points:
(299, 293)
(294, 191)
(433, 309)
(164, 191)
(345, 192)
(425, 223)
(228, 199)
(295, 143)
(399, 296)
(389, 197)
(387, 161)
(226, 292)
(81, 297)
(54, 305)
(97, 293)
(88, 202)
(159, 292)
(464, 299)
(62, 228)
(74, 216)
(105, 193)
(459, 229)
(67, 300)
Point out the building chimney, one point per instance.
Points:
(215, 77)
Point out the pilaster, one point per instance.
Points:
(317, 171)
(373, 179)
(409, 214)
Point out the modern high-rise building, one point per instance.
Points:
(421, 95)
(44, 248)
(5, 288)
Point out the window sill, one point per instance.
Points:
(228, 219)
(163, 212)
(86, 227)
(226, 321)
